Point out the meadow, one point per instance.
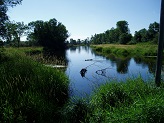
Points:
(142, 49)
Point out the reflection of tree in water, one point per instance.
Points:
(122, 65)
(72, 49)
(79, 49)
(147, 61)
(86, 48)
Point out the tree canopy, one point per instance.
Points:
(49, 34)
(121, 34)
(4, 4)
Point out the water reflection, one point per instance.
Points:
(99, 69)
(149, 62)
(121, 64)
(73, 49)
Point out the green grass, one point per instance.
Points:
(126, 50)
(121, 102)
(132, 101)
(30, 91)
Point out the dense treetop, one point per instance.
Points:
(4, 4)
(49, 34)
(53, 34)
(121, 34)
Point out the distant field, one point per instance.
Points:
(145, 45)
(143, 49)
(115, 45)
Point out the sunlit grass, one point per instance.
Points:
(121, 102)
(133, 101)
(142, 49)
(30, 91)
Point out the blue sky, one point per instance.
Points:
(84, 18)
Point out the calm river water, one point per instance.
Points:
(101, 69)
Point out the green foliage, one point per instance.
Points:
(122, 26)
(3, 56)
(4, 4)
(115, 102)
(125, 38)
(30, 91)
(50, 34)
(151, 34)
(112, 95)
(106, 50)
(1, 43)
(98, 49)
(14, 31)
(134, 101)
(76, 111)
(121, 34)
(131, 50)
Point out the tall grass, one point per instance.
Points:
(126, 50)
(121, 102)
(30, 91)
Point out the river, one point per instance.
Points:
(98, 70)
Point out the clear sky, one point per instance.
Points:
(84, 18)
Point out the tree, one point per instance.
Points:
(141, 36)
(121, 34)
(1, 43)
(4, 4)
(153, 30)
(122, 26)
(14, 31)
(113, 35)
(20, 29)
(49, 34)
(73, 42)
(125, 38)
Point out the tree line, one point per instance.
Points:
(53, 34)
(121, 34)
(50, 34)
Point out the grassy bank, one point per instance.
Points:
(30, 91)
(133, 101)
(143, 49)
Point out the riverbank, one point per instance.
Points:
(30, 91)
(142, 50)
(120, 102)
